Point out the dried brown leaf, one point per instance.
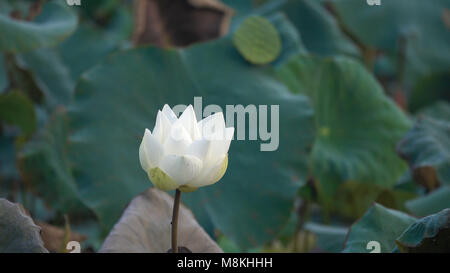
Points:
(179, 22)
(54, 237)
(145, 227)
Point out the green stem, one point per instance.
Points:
(176, 207)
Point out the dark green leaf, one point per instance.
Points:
(430, 234)
(318, 28)
(44, 165)
(56, 70)
(418, 25)
(357, 125)
(427, 149)
(378, 224)
(329, 238)
(50, 27)
(434, 202)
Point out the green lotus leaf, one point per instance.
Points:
(257, 40)
(427, 147)
(357, 125)
(430, 234)
(50, 27)
(379, 224)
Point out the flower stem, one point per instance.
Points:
(176, 207)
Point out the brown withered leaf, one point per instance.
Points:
(145, 226)
(179, 22)
(54, 237)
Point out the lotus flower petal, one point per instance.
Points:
(185, 154)
(170, 115)
(150, 151)
(178, 140)
(162, 127)
(211, 175)
(189, 122)
(181, 169)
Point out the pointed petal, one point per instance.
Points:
(212, 127)
(219, 148)
(189, 122)
(162, 127)
(150, 151)
(181, 169)
(178, 140)
(229, 133)
(169, 114)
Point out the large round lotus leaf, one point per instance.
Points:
(56, 70)
(257, 40)
(119, 98)
(43, 160)
(50, 27)
(430, 234)
(18, 233)
(291, 42)
(378, 224)
(357, 125)
(416, 22)
(427, 147)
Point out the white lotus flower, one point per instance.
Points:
(184, 154)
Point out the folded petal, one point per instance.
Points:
(210, 175)
(178, 140)
(189, 122)
(181, 169)
(150, 151)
